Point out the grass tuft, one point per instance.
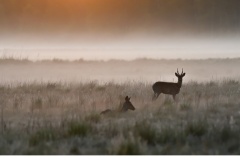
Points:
(74, 150)
(94, 117)
(203, 122)
(129, 148)
(185, 107)
(166, 135)
(42, 136)
(146, 131)
(81, 129)
(197, 128)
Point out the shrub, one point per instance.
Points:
(37, 103)
(166, 135)
(79, 129)
(185, 107)
(74, 150)
(51, 85)
(111, 130)
(129, 148)
(41, 136)
(93, 118)
(168, 102)
(198, 128)
(146, 132)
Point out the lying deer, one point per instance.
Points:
(168, 87)
(126, 106)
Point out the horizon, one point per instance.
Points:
(119, 54)
(35, 57)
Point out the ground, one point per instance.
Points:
(63, 118)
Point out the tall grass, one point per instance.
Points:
(63, 118)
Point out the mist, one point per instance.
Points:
(110, 29)
(139, 34)
(171, 48)
(119, 77)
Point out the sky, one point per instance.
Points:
(127, 29)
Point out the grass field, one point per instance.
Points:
(63, 118)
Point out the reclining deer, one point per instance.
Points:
(168, 87)
(127, 105)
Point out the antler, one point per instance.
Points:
(177, 71)
(182, 71)
(127, 98)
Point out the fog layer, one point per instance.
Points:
(142, 70)
(121, 29)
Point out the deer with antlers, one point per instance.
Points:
(168, 87)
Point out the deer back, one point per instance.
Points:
(166, 87)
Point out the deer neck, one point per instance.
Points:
(179, 82)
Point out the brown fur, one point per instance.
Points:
(126, 106)
(168, 87)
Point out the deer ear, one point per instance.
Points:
(183, 74)
(176, 74)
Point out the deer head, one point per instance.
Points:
(180, 75)
(127, 104)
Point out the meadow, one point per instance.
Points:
(53, 107)
(63, 118)
(63, 62)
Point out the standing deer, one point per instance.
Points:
(126, 106)
(168, 87)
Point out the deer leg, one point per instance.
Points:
(158, 95)
(155, 96)
(174, 97)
